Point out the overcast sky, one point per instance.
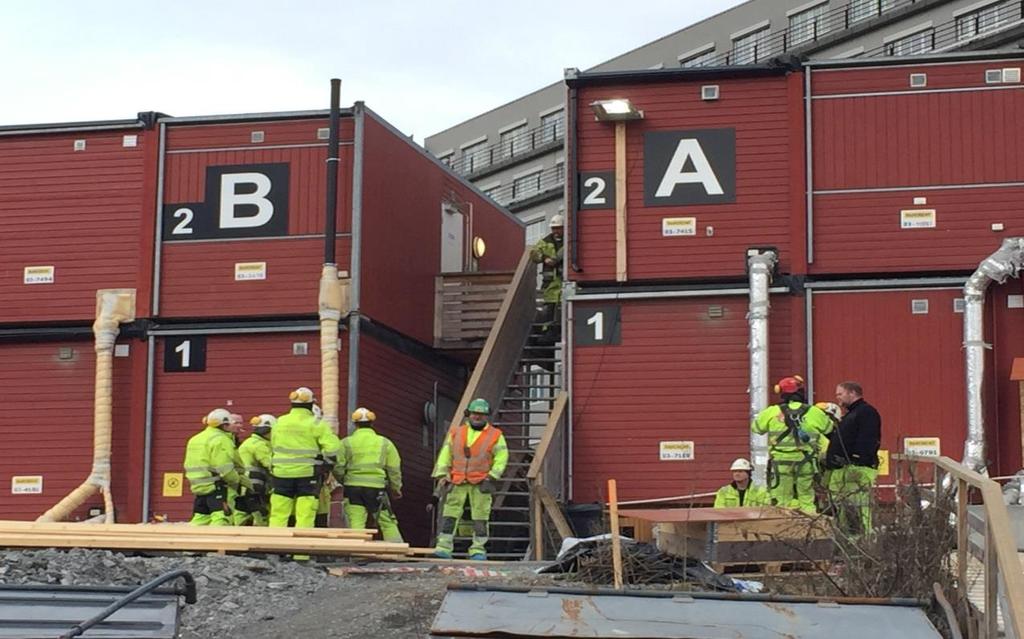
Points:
(424, 65)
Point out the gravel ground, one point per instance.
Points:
(258, 598)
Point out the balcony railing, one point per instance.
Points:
(956, 33)
(525, 188)
(799, 35)
(512, 147)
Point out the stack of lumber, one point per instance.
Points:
(184, 538)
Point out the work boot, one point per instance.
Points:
(478, 557)
(442, 554)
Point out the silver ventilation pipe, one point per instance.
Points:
(760, 264)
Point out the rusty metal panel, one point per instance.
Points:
(679, 373)
(78, 211)
(768, 179)
(63, 372)
(862, 232)
(606, 615)
(247, 374)
(910, 364)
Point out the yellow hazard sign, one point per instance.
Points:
(883, 463)
(172, 484)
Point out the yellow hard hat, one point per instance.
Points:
(265, 419)
(302, 395)
(217, 417)
(363, 415)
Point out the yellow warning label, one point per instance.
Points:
(923, 446)
(172, 484)
(883, 463)
(250, 271)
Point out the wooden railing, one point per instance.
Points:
(505, 339)
(1000, 565)
(546, 476)
(466, 306)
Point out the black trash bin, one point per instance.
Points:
(586, 519)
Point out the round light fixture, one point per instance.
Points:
(479, 247)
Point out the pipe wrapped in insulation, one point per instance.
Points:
(331, 307)
(760, 266)
(1003, 264)
(113, 307)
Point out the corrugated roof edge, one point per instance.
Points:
(776, 66)
(888, 61)
(144, 120)
(390, 127)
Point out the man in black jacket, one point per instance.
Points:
(853, 457)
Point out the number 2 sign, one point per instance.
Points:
(597, 325)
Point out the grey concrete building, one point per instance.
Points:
(515, 152)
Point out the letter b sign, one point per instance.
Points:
(239, 201)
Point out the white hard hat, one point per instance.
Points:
(217, 417)
(265, 419)
(557, 220)
(741, 464)
(302, 395)
(363, 415)
(831, 409)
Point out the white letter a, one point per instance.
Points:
(702, 172)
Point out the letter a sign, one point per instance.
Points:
(689, 167)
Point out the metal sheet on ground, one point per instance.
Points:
(47, 611)
(600, 615)
(674, 515)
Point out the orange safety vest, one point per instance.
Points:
(472, 463)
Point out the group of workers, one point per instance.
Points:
(821, 457)
(285, 472)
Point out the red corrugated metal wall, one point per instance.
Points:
(396, 386)
(198, 277)
(81, 212)
(874, 133)
(249, 374)
(403, 194)
(678, 374)
(1006, 324)
(768, 173)
(911, 366)
(53, 437)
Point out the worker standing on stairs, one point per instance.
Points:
(741, 492)
(469, 466)
(212, 468)
(548, 252)
(370, 471)
(254, 504)
(793, 428)
(300, 446)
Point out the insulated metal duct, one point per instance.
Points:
(113, 307)
(760, 264)
(998, 267)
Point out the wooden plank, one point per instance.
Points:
(550, 430)
(962, 522)
(438, 308)
(620, 202)
(537, 520)
(613, 502)
(554, 511)
(212, 544)
(19, 527)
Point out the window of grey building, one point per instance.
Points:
(447, 158)
(536, 229)
(560, 172)
(492, 190)
(985, 19)
(750, 48)
(526, 186)
(552, 126)
(864, 9)
(808, 25)
(913, 44)
(701, 59)
(475, 157)
(514, 141)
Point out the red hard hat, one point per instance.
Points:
(789, 384)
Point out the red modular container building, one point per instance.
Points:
(913, 181)
(226, 226)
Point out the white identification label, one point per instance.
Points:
(39, 275)
(26, 484)
(917, 219)
(922, 446)
(676, 451)
(250, 271)
(673, 226)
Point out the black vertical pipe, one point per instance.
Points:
(333, 163)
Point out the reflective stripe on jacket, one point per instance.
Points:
(210, 457)
(370, 460)
(471, 462)
(255, 455)
(785, 445)
(299, 443)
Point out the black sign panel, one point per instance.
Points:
(246, 200)
(597, 325)
(596, 190)
(689, 167)
(185, 354)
